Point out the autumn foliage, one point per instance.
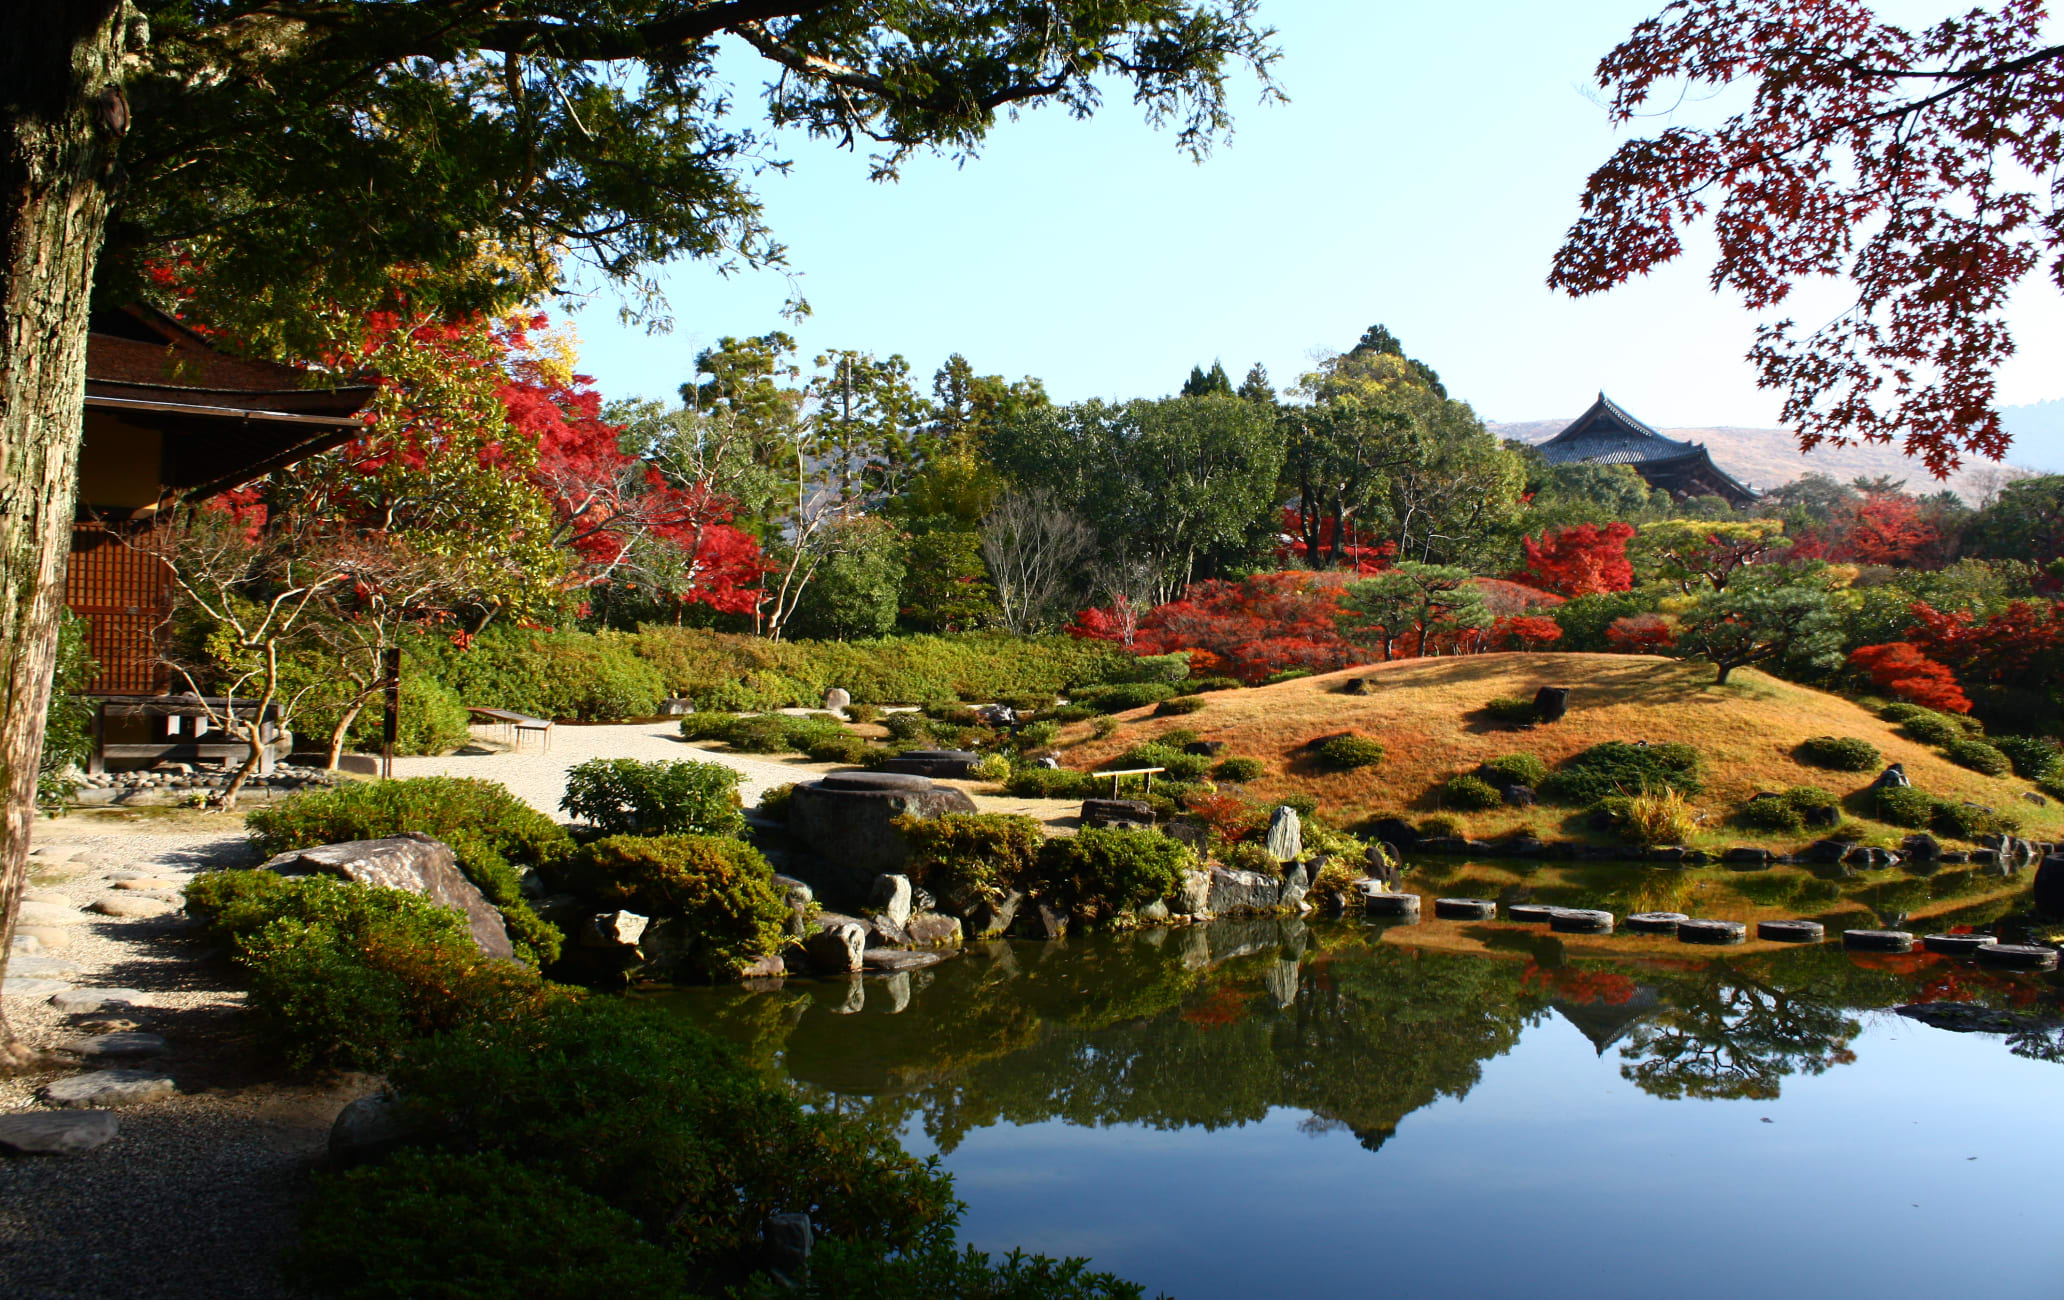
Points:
(1357, 552)
(1580, 561)
(1256, 627)
(1640, 634)
(1900, 669)
(2023, 645)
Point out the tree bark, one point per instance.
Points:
(62, 113)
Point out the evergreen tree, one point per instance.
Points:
(1255, 387)
(1212, 383)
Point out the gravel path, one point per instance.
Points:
(538, 776)
(199, 1189)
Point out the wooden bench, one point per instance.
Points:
(1147, 772)
(514, 725)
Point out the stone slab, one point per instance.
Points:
(57, 1133)
(21, 987)
(133, 907)
(108, 1088)
(74, 1001)
(49, 914)
(113, 1045)
(896, 959)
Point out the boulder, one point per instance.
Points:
(1205, 748)
(1892, 778)
(891, 897)
(1745, 855)
(1380, 865)
(931, 930)
(1827, 851)
(1042, 921)
(986, 916)
(63, 1133)
(1921, 848)
(898, 960)
(1242, 891)
(837, 700)
(998, 715)
(129, 1043)
(1394, 830)
(1519, 796)
(1551, 703)
(1285, 835)
(368, 1129)
(108, 1088)
(1358, 686)
(885, 933)
(1295, 886)
(933, 762)
(618, 930)
(2049, 886)
(837, 946)
(1117, 812)
(411, 862)
(675, 706)
(1047, 762)
(848, 818)
(768, 969)
(133, 906)
(1192, 896)
(1189, 832)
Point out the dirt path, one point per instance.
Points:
(200, 1186)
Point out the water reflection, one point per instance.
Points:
(1217, 1025)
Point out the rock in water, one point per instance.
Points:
(412, 862)
(1285, 835)
(614, 930)
(1242, 891)
(891, 897)
(848, 818)
(64, 1133)
(2049, 886)
(836, 948)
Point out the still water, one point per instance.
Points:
(1267, 1108)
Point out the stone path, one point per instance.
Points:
(155, 1155)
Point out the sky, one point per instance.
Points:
(1421, 175)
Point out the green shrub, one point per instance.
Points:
(1470, 793)
(707, 726)
(1073, 713)
(68, 717)
(1978, 756)
(1038, 735)
(2035, 758)
(1806, 798)
(1303, 804)
(909, 727)
(1097, 872)
(1287, 675)
(952, 712)
(345, 976)
(1931, 729)
(990, 767)
(1202, 684)
(1177, 737)
(722, 888)
(1839, 753)
(1054, 783)
(1180, 706)
(1125, 696)
(848, 749)
(1181, 766)
(433, 719)
(1904, 713)
(472, 1223)
(592, 677)
(1239, 770)
(1968, 821)
(1515, 769)
(1434, 828)
(1618, 767)
(1347, 753)
(862, 714)
(781, 733)
(1906, 806)
(1512, 711)
(1104, 728)
(1773, 813)
(493, 833)
(773, 804)
(962, 857)
(622, 796)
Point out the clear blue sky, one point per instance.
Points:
(1422, 176)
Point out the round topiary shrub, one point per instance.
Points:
(1839, 753)
(1434, 828)
(1967, 821)
(1096, 872)
(1512, 711)
(1978, 756)
(1620, 767)
(1771, 812)
(721, 887)
(1931, 728)
(1470, 792)
(1239, 770)
(1515, 769)
(622, 796)
(1346, 753)
(1905, 806)
(2035, 757)
(1179, 706)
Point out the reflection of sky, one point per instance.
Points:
(1931, 1166)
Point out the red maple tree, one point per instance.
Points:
(1580, 561)
(1356, 551)
(1258, 626)
(1900, 669)
(1887, 528)
(1523, 632)
(2021, 645)
(1640, 634)
(1912, 161)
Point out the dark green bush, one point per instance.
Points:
(861, 714)
(1774, 813)
(1618, 767)
(1239, 770)
(847, 749)
(961, 857)
(2035, 758)
(1347, 753)
(622, 796)
(781, 733)
(1930, 728)
(953, 713)
(1098, 872)
(1180, 706)
(1287, 675)
(1434, 828)
(909, 727)
(1156, 668)
(1181, 766)
(707, 726)
(722, 888)
(592, 677)
(346, 976)
(1202, 684)
(1839, 753)
(1512, 711)
(1905, 806)
(471, 1227)
(493, 833)
(1470, 793)
(1055, 783)
(1303, 804)
(1104, 728)
(1124, 697)
(433, 718)
(1978, 756)
(1515, 769)
(773, 804)
(1038, 735)
(1907, 714)
(1967, 821)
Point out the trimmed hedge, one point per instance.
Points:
(1618, 767)
(1515, 769)
(1097, 872)
(983, 855)
(1348, 753)
(1905, 806)
(493, 833)
(722, 888)
(1839, 753)
(622, 796)
(1977, 755)
(1239, 770)
(1469, 793)
(2035, 758)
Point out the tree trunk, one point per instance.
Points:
(334, 751)
(61, 113)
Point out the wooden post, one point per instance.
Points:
(392, 735)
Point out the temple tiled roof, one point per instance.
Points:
(1607, 435)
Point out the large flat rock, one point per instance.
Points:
(57, 1133)
(20, 987)
(133, 906)
(412, 862)
(115, 1045)
(74, 1001)
(108, 1088)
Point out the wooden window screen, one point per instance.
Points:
(125, 597)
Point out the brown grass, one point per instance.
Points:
(1426, 714)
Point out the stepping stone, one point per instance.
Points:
(1465, 909)
(118, 1044)
(45, 937)
(1580, 920)
(150, 884)
(108, 1088)
(2017, 956)
(1655, 922)
(133, 906)
(46, 896)
(896, 959)
(1877, 941)
(1955, 945)
(1791, 931)
(1717, 933)
(46, 968)
(56, 1133)
(22, 986)
(74, 1001)
(1391, 906)
(48, 914)
(1530, 913)
(26, 945)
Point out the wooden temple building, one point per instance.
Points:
(1607, 435)
(171, 418)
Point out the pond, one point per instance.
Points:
(1256, 1108)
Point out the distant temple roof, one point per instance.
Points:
(1607, 435)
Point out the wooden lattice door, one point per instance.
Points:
(125, 597)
